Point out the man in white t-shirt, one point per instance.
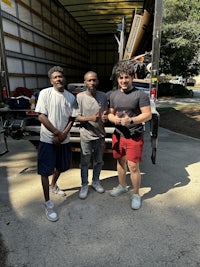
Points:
(55, 107)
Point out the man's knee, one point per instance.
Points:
(133, 167)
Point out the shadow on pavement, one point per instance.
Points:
(102, 230)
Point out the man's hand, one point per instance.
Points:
(125, 121)
(104, 116)
(59, 138)
(117, 120)
(56, 141)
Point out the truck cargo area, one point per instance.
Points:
(78, 36)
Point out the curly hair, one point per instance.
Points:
(55, 69)
(125, 67)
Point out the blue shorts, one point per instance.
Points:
(51, 157)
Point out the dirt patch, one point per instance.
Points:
(184, 120)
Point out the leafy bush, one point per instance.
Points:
(176, 90)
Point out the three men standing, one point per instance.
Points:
(57, 108)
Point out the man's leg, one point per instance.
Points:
(86, 151)
(49, 205)
(136, 181)
(45, 186)
(135, 176)
(122, 169)
(54, 187)
(98, 149)
(55, 177)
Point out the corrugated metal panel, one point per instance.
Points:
(38, 35)
(102, 17)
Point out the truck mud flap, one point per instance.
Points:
(3, 139)
(154, 124)
(3, 143)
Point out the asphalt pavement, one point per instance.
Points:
(102, 230)
(177, 101)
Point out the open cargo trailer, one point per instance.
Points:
(77, 35)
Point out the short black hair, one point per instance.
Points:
(90, 72)
(55, 69)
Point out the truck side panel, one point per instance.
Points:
(37, 36)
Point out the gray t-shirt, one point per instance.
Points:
(130, 102)
(87, 106)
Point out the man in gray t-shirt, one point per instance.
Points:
(92, 113)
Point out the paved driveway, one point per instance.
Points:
(101, 230)
(174, 101)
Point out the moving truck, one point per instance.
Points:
(78, 36)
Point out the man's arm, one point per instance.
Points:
(113, 116)
(45, 121)
(62, 135)
(59, 136)
(126, 120)
(94, 117)
(143, 117)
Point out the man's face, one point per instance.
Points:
(91, 82)
(58, 81)
(125, 81)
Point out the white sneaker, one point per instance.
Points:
(50, 213)
(96, 185)
(136, 202)
(83, 192)
(56, 190)
(118, 190)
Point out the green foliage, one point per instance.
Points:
(180, 42)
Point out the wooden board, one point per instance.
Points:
(138, 28)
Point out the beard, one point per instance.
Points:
(92, 89)
(60, 87)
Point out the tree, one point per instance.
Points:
(180, 42)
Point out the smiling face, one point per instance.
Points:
(58, 81)
(125, 81)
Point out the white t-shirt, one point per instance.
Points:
(58, 107)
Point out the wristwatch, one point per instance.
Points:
(131, 121)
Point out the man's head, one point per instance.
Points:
(56, 76)
(124, 74)
(91, 81)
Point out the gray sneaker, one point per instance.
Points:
(118, 190)
(56, 190)
(83, 192)
(49, 210)
(136, 202)
(96, 186)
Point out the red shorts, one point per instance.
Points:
(132, 148)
